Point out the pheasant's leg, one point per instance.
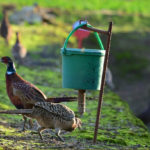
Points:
(30, 123)
(24, 123)
(39, 132)
(58, 134)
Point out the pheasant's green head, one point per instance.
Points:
(10, 65)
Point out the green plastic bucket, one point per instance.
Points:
(82, 68)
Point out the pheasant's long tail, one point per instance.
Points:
(19, 111)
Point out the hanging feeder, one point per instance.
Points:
(82, 68)
(72, 58)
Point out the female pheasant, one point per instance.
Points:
(19, 51)
(22, 93)
(5, 28)
(50, 115)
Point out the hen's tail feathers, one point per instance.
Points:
(19, 111)
(61, 99)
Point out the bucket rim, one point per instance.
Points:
(83, 51)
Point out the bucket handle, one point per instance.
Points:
(79, 26)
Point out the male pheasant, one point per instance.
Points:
(5, 28)
(22, 93)
(19, 51)
(50, 115)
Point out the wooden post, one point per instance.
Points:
(81, 101)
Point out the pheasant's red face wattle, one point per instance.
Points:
(6, 60)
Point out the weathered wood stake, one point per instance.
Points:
(81, 101)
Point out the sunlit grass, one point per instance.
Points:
(32, 37)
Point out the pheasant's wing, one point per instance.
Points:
(58, 110)
(28, 93)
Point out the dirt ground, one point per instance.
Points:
(29, 140)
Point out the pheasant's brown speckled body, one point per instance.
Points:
(51, 115)
(22, 93)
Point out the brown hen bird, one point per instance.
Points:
(22, 93)
(52, 116)
(19, 51)
(5, 28)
